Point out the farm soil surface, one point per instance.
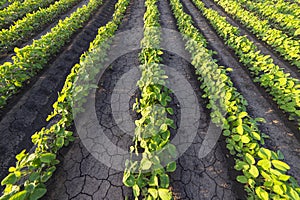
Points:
(81, 175)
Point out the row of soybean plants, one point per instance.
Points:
(148, 177)
(32, 58)
(264, 174)
(24, 28)
(18, 9)
(284, 6)
(286, 46)
(289, 23)
(27, 179)
(284, 89)
(287, 7)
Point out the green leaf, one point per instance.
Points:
(155, 160)
(141, 180)
(136, 190)
(37, 193)
(261, 193)
(236, 138)
(245, 139)
(9, 179)
(276, 172)
(12, 169)
(262, 120)
(45, 177)
(254, 171)
(18, 84)
(164, 127)
(243, 114)
(171, 167)
(277, 189)
(153, 192)
(164, 194)
(265, 175)
(242, 179)
(264, 153)
(226, 133)
(268, 183)
(231, 118)
(34, 176)
(297, 32)
(149, 197)
(241, 165)
(256, 135)
(240, 130)
(159, 52)
(280, 155)
(128, 181)
(166, 135)
(230, 147)
(280, 165)
(164, 181)
(170, 111)
(284, 177)
(153, 181)
(172, 150)
(21, 155)
(265, 164)
(19, 196)
(282, 81)
(250, 159)
(293, 193)
(145, 164)
(59, 142)
(47, 157)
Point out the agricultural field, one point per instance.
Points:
(150, 99)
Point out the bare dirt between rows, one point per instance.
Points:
(28, 112)
(282, 135)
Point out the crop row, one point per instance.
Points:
(27, 179)
(33, 22)
(148, 177)
(286, 22)
(18, 9)
(287, 7)
(264, 174)
(286, 46)
(284, 6)
(32, 58)
(284, 89)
